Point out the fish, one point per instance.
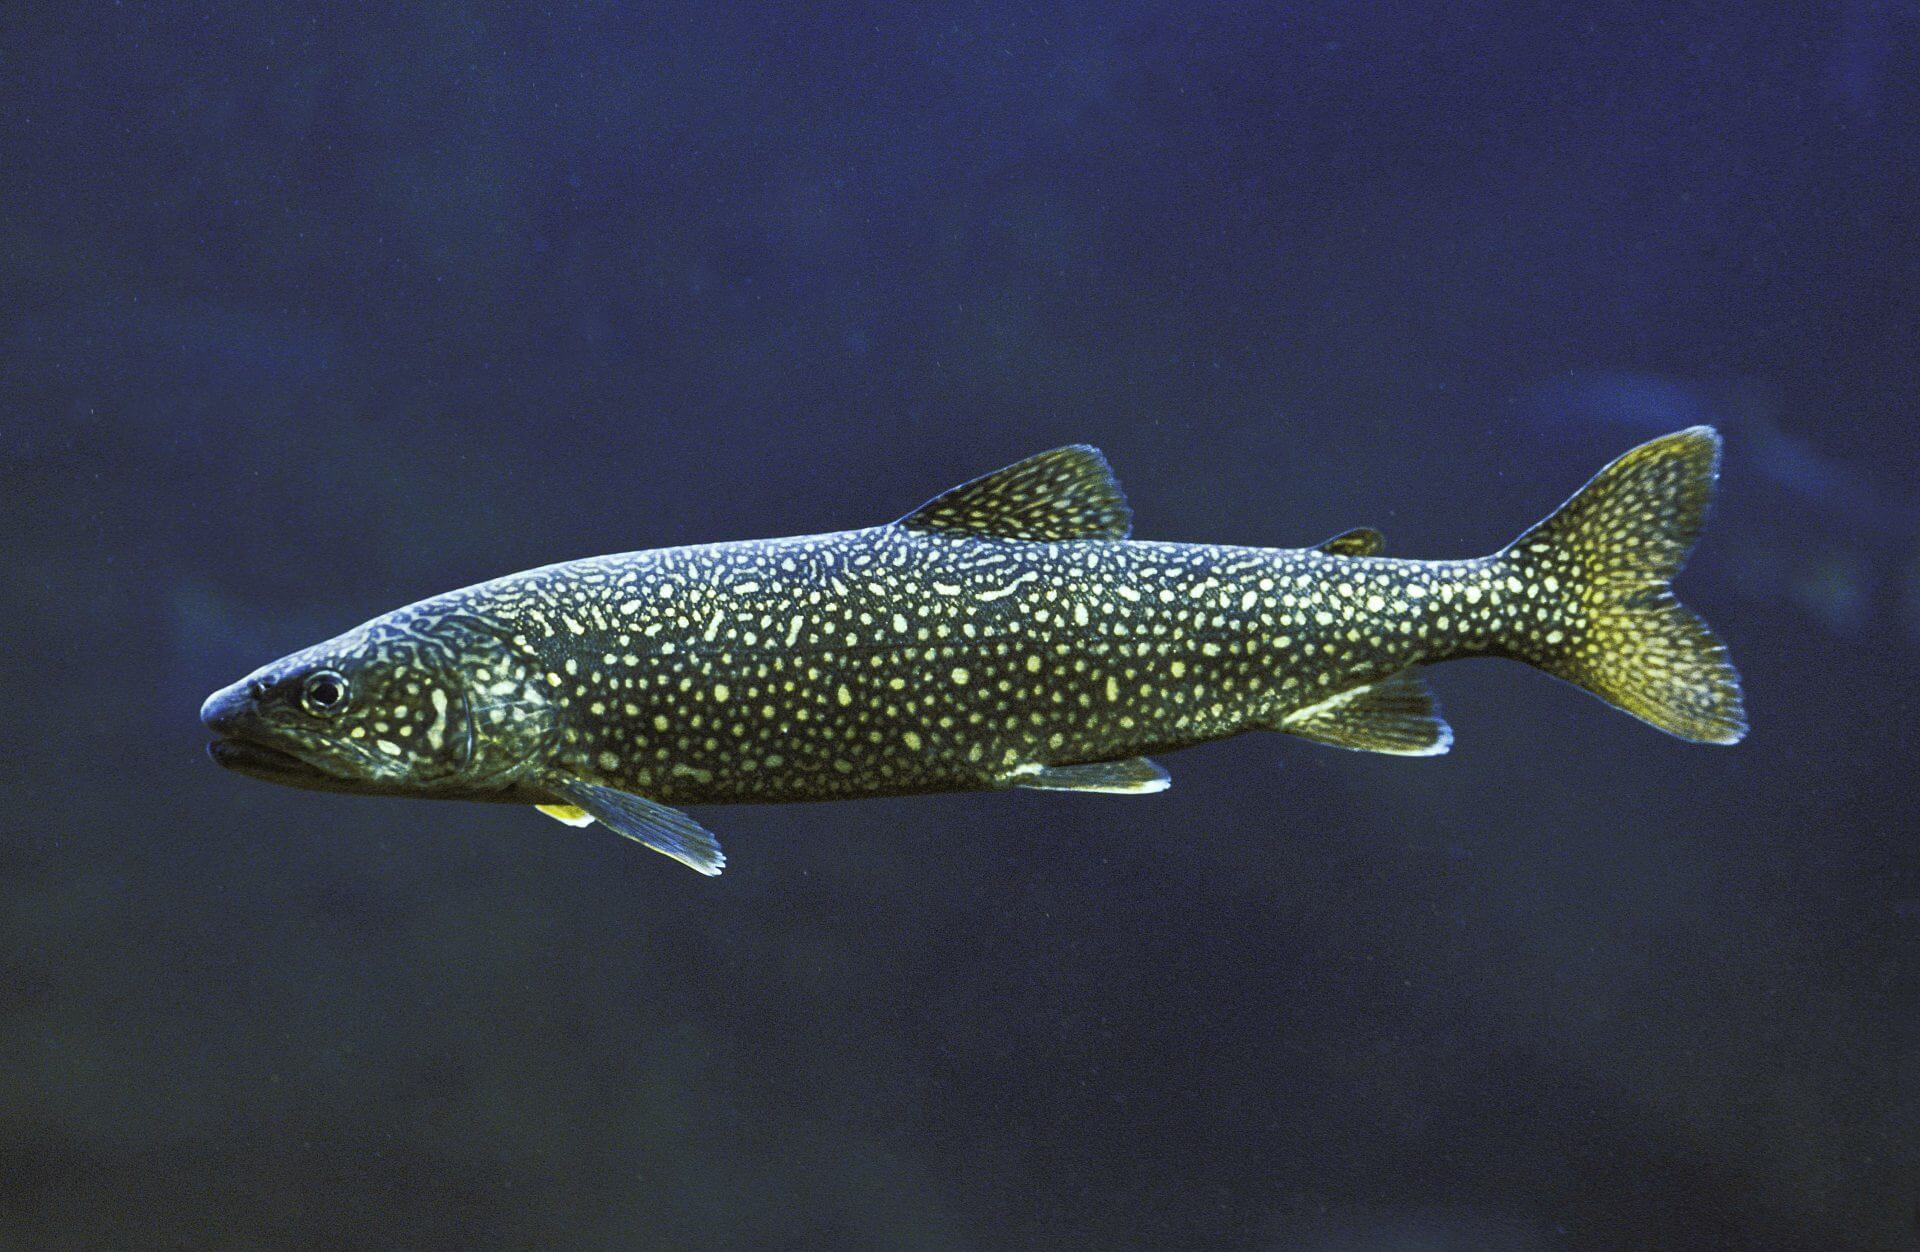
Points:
(1009, 633)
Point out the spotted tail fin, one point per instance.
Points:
(1602, 567)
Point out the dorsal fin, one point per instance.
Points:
(1068, 493)
(1360, 541)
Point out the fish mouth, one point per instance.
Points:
(245, 757)
(258, 760)
(245, 744)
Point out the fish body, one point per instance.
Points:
(1007, 634)
(886, 662)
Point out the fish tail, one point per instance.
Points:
(1601, 568)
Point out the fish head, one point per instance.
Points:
(411, 703)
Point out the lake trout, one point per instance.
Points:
(1008, 633)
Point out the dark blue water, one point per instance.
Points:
(309, 311)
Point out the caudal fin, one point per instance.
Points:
(1601, 567)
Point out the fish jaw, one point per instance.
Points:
(245, 745)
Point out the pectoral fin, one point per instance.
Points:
(1133, 777)
(645, 821)
(1396, 715)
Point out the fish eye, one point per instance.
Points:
(324, 692)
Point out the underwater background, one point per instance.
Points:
(307, 311)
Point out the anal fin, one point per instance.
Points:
(1136, 776)
(1396, 715)
(566, 813)
(666, 830)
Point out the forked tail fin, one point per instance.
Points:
(1602, 566)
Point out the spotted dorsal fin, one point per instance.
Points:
(1068, 493)
(1360, 541)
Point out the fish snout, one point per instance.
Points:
(225, 708)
